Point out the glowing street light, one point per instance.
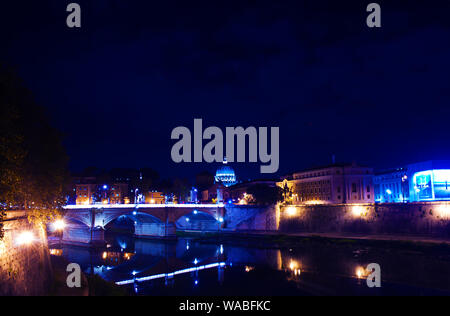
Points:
(357, 211)
(291, 211)
(25, 238)
(59, 225)
(360, 272)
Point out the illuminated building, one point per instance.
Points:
(334, 184)
(391, 186)
(85, 189)
(88, 192)
(225, 175)
(117, 193)
(419, 182)
(154, 197)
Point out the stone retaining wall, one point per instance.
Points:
(24, 269)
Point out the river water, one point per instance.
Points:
(238, 267)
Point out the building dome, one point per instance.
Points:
(225, 175)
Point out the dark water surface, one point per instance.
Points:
(195, 267)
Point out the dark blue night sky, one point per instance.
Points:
(137, 69)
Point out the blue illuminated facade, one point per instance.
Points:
(225, 175)
(420, 182)
(391, 186)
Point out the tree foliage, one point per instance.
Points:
(33, 162)
(264, 194)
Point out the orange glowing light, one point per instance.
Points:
(291, 211)
(360, 272)
(25, 238)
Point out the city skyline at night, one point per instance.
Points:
(134, 71)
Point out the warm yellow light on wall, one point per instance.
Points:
(357, 211)
(59, 225)
(294, 266)
(291, 211)
(443, 211)
(25, 238)
(314, 202)
(105, 255)
(360, 272)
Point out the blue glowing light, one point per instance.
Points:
(195, 261)
(195, 212)
(388, 191)
(196, 282)
(105, 187)
(187, 219)
(432, 185)
(225, 175)
(134, 213)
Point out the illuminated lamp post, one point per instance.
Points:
(389, 193)
(59, 226)
(404, 179)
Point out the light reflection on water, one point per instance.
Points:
(188, 267)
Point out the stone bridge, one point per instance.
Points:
(87, 223)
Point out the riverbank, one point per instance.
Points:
(276, 240)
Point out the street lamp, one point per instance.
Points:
(404, 179)
(59, 225)
(25, 238)
(389, 192)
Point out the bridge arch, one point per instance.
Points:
(77, 221)
(199, 220)
(136, 215)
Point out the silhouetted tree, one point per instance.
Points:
(33, 162)
(181, 188)
(204, 180)
(265, 194)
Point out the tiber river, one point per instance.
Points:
(239, 267)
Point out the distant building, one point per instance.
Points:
(117, 193)
(391, 186)
(154, 197)
(85, 190)
(217, 193)
(334, 184)
(225, 175)
(418, 182)
(89, 191)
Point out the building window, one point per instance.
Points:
(353, 187)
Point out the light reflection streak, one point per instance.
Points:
(172, 274)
